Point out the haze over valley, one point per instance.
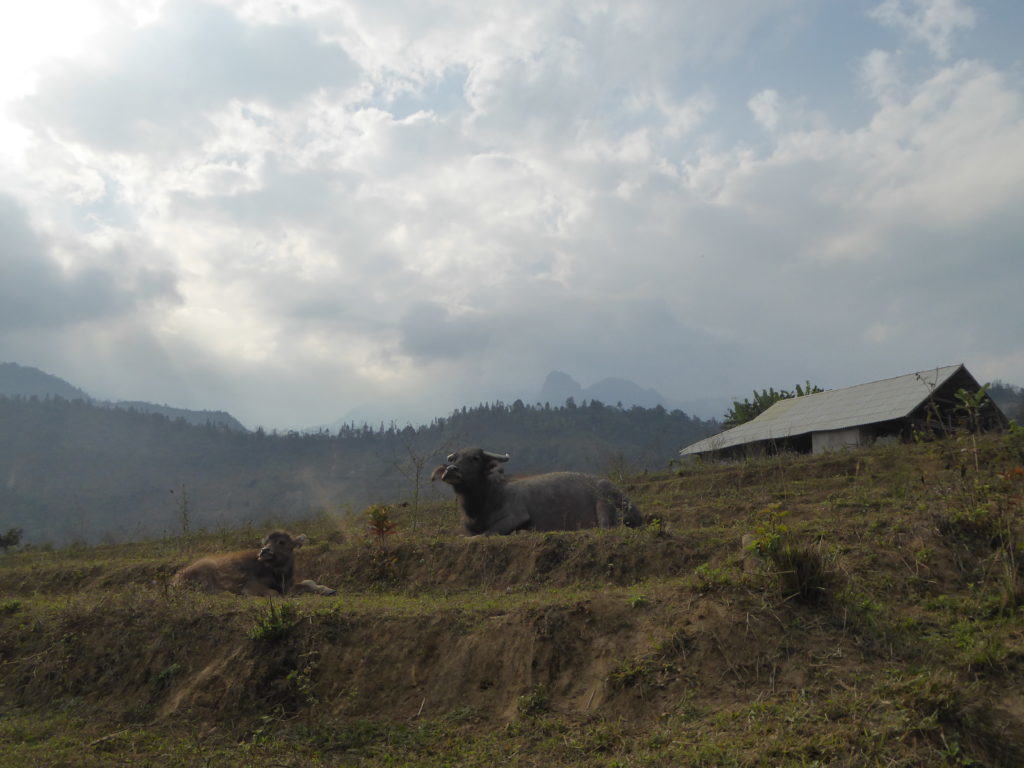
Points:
(79, 470)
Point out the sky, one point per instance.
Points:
(300, 210)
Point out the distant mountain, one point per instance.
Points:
(559, 386)
(26, 381)
(629, 393)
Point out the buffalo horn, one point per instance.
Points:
(497, 456)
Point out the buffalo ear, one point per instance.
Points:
(299, 540)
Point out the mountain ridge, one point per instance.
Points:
(27, 381)
(559, 386)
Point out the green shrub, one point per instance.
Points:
(536, 701)
(652, 670)
(10, 538)
(710, 578)
(275, 624)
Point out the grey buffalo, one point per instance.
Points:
(491, 504)
(267, 572)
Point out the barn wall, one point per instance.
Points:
(837, 439)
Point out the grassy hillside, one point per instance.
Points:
(874, 619)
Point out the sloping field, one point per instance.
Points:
(872, 617)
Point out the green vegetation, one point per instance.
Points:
(535, 702)
(10, 538)
(861, 608)
(275, 624)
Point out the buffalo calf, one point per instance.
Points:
(267, 572)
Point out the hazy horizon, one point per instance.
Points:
(607, 391)
(294, 211)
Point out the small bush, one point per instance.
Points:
(651, 670)
(380, 522)
(711, 578)
(769, 530)
(535, 702)
(275, 624)
(11, 538)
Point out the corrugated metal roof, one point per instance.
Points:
(834, 409)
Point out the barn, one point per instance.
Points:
(922, 402)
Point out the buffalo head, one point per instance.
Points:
(277, 547)
(468, 467)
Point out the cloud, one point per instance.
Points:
(932, 22)
(880, 75)
(432, 332)
(765, 108)
(36, 291)
(155, 87)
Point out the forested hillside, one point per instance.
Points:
(71, 471)
(199, 418)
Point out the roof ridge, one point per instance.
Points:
(868, 383)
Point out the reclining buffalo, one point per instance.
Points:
(268, 572)
(492, 504)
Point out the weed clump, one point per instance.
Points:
(652, 670)
(536, 701)
(710, 578)
(805, 574)
(168, 673)
(972, 525)
(275, 624)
